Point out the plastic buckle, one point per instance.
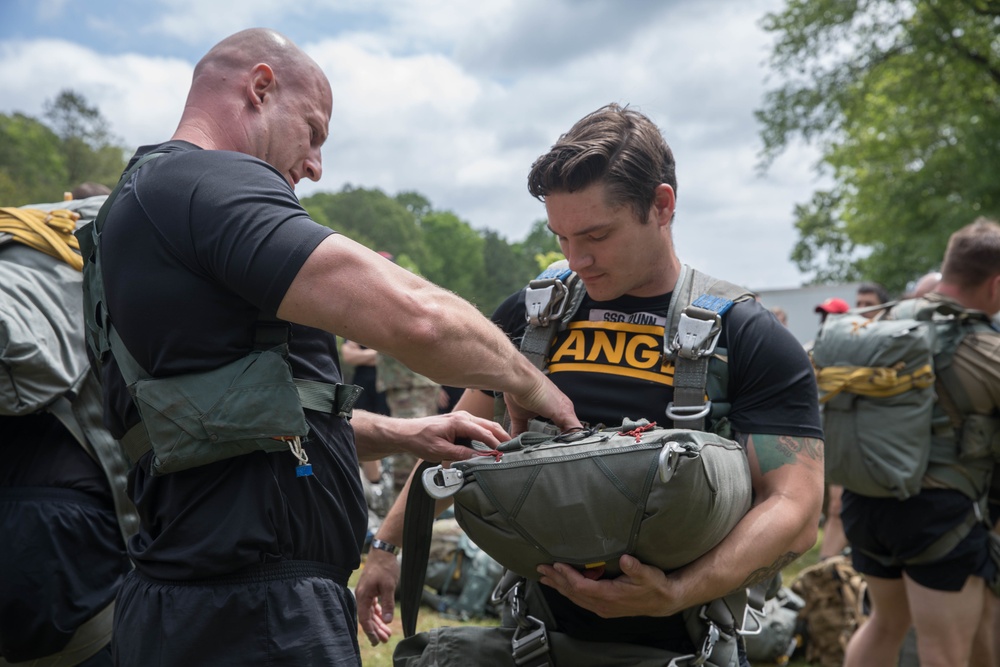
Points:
(441, 482)
(696, 337)
(711, 639)
(531, 645)
(545, 300)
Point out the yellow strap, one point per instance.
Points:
(874, 382)
(49, 232)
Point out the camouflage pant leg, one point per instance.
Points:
(408, 404)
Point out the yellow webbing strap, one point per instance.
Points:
(874, 382)
(50, 232)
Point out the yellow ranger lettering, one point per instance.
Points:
(613, 348)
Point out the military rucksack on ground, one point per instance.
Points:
(835, 599)
(42, 350)
(460, 576)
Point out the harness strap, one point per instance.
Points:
(551, 299)
(418, 525)
(82, 413)
(88, 639)
(691, 341)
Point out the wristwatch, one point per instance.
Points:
(384, 546)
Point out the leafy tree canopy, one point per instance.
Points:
(903, 99)
(40, 161)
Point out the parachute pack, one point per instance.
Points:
(42, 348)
(45, 366)
(893, 408)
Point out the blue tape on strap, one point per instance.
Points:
(560, 274)
(715, 304)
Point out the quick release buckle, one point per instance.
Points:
(696, 336)
(545, 300)
(526, 646)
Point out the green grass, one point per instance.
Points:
(381, 656)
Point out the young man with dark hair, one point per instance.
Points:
(609, 188)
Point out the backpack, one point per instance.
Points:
(42, 348)
(694, 324)
(460, 576)
(836, 604)
(893, 412)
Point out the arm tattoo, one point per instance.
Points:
(774, 451)
(765, 573)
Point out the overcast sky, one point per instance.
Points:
(455, 99)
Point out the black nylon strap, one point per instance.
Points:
(418, 524)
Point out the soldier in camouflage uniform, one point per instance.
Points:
(408, 395)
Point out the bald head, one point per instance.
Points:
(256, 92)
(243, 50)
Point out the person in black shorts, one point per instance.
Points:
(943, 595)
(609, 189)
(243, 561)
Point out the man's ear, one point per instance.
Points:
(260, 84)
(663, 203)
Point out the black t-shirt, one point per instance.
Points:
(607, 361)
(198, 244)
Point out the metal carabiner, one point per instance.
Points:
(670, 454)
(441, 482)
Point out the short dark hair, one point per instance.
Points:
(973, 254)
(614, 145)
(874, 288)
(90, 189)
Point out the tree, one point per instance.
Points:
(455, 254)
(32, 167)
(91, 153)
(371, 218)
(903, 99)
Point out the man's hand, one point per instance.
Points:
(375, 595)
(543, 399)
(429, 438)
(641, 590)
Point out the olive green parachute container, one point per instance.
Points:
(880, 383)
(667, 496)
(876, 382)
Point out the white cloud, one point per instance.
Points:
(455, 100)
(141, 97)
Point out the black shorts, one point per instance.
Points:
(901, 530)
(290, 614)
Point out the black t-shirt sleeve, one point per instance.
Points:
(259, 235)
(772, 384)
